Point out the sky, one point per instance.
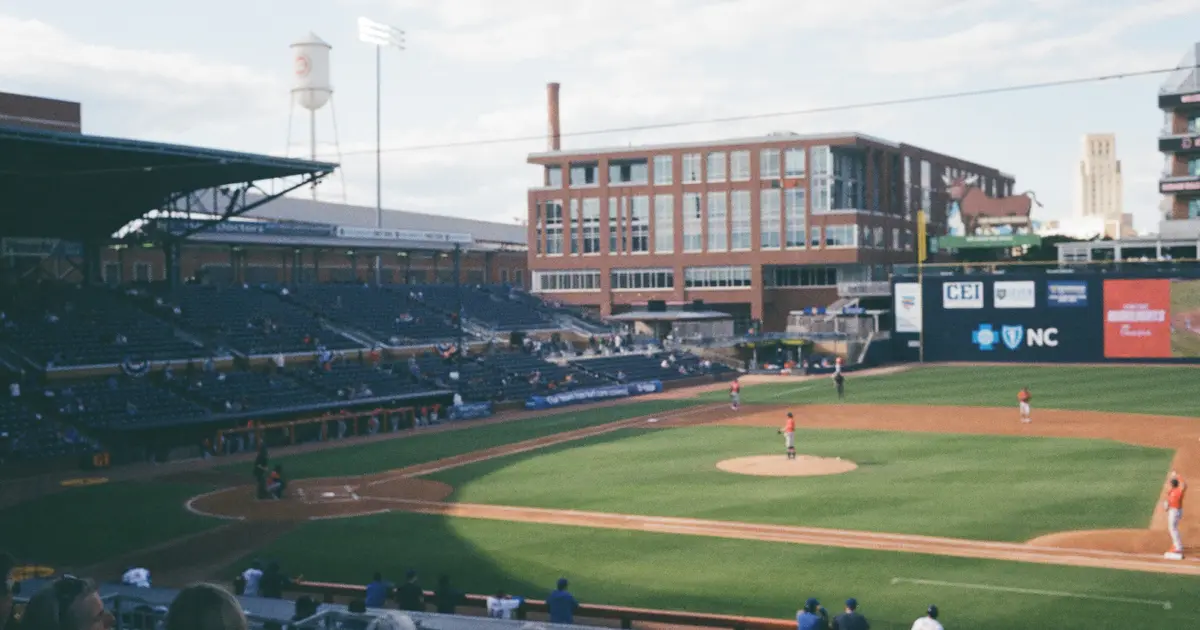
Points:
(218, 74)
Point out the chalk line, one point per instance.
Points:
(1166, 605)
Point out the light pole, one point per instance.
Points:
(380, 36)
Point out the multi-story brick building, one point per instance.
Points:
(1179, 98)
(756, 227)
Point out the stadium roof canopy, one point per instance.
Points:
(68, 185)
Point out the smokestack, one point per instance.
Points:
(554, 139)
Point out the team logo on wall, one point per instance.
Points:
(984, 337)
(1014, 294)
(962, 295)
(1012, 336)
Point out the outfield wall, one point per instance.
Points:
(1048, 316)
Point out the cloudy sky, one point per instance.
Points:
(217, 73)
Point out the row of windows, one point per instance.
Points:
(575, 280)
(719, 167)
(716, 277)
(652, 279)
(730, 277)
(802, 276)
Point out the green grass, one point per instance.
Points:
(392, 454)
(1163, 391)
(728, 576)
(82, 526)
(966, 486)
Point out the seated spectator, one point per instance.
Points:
(501, 606)
(68, 603)
(274, 582)
(851, 619)
(276, 483)
(305, 607)
(446, 598)
(562, 604)
(812, 616)
(356, 607)
(410, 595)
(205, 607)
(252, 578)
(378, 591)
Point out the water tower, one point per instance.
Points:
(311, 88)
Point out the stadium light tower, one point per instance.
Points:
(380, 36)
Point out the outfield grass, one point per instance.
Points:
(728, 576)
(1164, 391)
(82, 526)
(965, 486)
(417, 449)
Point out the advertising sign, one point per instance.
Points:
(1014, 294)
(1168, 101)
(1180, 184)
(989, 241)
(470, 411)
(907, 307)
(1136, 323)
(380, 234)
(1175, 144)
(959, 295)
(1066, 293)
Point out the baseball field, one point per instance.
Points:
(922, 487)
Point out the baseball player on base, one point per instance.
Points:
(1174, 507)
(789, 435)
(1023, 398)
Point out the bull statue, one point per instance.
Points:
(974, 205)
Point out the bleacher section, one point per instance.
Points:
(60, 326)
(119, 402)
(631, 368)
(493, 306)
(385, 313)
(350, 380)
(247, 391)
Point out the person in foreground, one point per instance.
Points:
(68, 603)
(851, 619)
(812, 616)
(562, 604)
(205, 607)
(929, 621)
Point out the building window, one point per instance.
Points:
(1193, 209)
(693, 223)
(110, 273)
(573, 222)
(908, 188)
(739, 219)
(793, 203)
(615, 205)
(821, 193)
(795, 162)
(926, 186)
(739, 166)
(716, 166)
(814, 239)
(632, 172)
(639, 223)
(841, 235)
(1193, 167)
(554, 228)
(664, 224)
(591, 225)
(768, 163)
(584, 174)
(663, 175)
(142, 272)
(849, 181)
(717, 222)
(769, 219)
(691, 168)
(804, 276)
(821, 160)
(716, 277)
(643, 279)
(574, 280)
(908, 240)
(880, 239)
(554, 176)
(896, 239)
(539, 226)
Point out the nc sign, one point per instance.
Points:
(986, 338)
(962, 295)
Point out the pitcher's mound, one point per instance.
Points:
(780, 466)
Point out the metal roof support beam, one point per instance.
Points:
(240, 203)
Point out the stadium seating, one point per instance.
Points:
(387, 314)
(252, 320)
(345, 380)
(247, 391)
(117, 402)
(27, 434)
(641, 367)
(493, 306)
(62, 326)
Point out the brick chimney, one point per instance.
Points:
(554, 139)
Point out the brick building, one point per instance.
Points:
(1179, 99)
(755, 227)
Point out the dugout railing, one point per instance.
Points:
(324, 428)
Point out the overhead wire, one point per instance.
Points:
(873, 104)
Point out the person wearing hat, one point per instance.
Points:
(409, 595)
(929, 621)
(851, 619)
(812, 616)
(562, 604)
(789, 436)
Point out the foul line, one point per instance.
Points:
(334, 517)
(1166, 605)
(190, 505)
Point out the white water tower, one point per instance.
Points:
(311, 87)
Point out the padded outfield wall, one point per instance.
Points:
(1041, 315)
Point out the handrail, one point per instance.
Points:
(626, 615)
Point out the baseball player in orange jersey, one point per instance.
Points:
(789, 435)
(735, 398)
(1174, 507)
(1023, 398)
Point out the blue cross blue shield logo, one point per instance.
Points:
(1012, 336)
(984, 337)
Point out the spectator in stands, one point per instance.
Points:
(562, 604)
(356, 607)
(446, 598)
(851, 619)
(136, 576)
(68, 603)
(410, 595)
(929, 621)
(812, 616)
(501, 606)
(253, 579)
(621, 376)
(305, 607)
(378, 591)
(205, 607)
(274, 582)
(8, 589)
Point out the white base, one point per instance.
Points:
(1172, 555)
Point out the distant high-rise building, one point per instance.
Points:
(1100, 184)
(1179, 98)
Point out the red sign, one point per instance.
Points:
(1136, 319)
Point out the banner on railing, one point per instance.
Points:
(471, 411)
(593, 394)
